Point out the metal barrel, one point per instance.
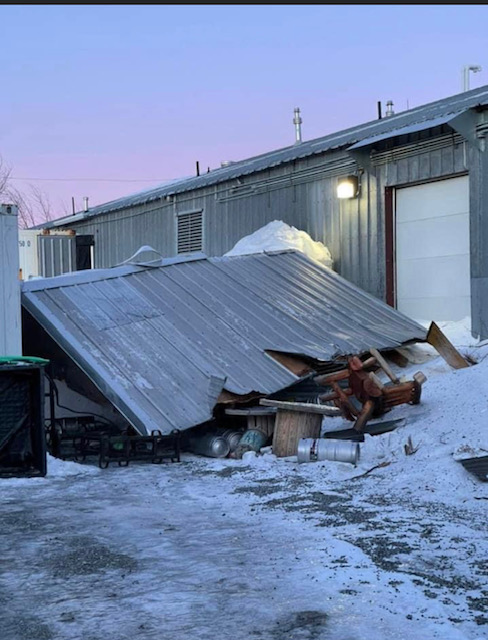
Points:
(254, 439)
(305, 448)
(251, 440)
(232, 436)
(312, 449)
(209, 445)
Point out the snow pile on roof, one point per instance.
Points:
(277, 236)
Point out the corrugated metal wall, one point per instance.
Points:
(57, 254)
(301, 193)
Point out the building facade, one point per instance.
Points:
(414, 231)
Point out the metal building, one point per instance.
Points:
(46, 253)
(413, 230)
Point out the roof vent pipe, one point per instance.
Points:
(475, 68)
(85, 203)
(389, 109)
(297, 121)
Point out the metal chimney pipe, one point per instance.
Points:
(297, 121)
(85, 203)
(475, 68)
(389, 109)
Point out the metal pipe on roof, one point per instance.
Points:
(475, 68)
(389, 109)
(297, 121)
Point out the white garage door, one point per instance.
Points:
(432, 250)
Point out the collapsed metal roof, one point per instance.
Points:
(162, 342)
(417, 119)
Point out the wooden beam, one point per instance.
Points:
(384, 365)
(226, 397)
(445, 348)
(326, 379)
(251, 411)
(303, 407)
(397, 357)
(294, 364)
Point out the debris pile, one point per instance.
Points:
(235, 353)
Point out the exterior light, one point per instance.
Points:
(348, 187)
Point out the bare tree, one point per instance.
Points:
(33, 204)
(40, 204)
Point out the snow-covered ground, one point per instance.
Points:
(265, 548)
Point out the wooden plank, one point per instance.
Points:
(329, 397)
(290, 427)
(226, 397)
(445, 348)
(384, 365)
(265, 424)
(251, 411)
(397, 357)
(328, 378)
(376, 380)
(294, 364)
(303, 407)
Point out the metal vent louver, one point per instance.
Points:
(190, 236)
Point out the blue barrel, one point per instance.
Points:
(252, 440)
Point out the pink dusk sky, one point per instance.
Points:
(103, 101)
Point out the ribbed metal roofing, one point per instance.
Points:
(477, 466)
(391, 125)
(162, 342)
(404, 131)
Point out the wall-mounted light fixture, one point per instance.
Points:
(348, 187)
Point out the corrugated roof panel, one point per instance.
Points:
(404, 131)
(477, 466)
(419, 116)
(162, 342)
(307, 301)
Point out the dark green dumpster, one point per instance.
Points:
(22, 433)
